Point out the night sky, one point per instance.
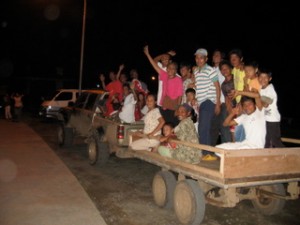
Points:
(41, 38)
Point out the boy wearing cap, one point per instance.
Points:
(208, 97)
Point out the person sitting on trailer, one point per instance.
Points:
(253, 121)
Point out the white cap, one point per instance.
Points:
(202, 52)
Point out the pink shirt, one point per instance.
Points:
(172, 87)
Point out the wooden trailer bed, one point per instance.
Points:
(235, 168)
(267, 177)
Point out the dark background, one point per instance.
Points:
(40, 40)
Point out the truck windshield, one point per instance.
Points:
(51, 96)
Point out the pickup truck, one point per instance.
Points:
(103, 135)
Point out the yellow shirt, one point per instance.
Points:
(238, 79)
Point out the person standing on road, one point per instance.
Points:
(7, 106)
(18, 106)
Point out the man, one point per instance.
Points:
(253, 121)
(208, 97)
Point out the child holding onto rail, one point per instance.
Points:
(165, 147)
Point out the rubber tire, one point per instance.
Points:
(189, 202)
(269, 206)
(98, 152)
(163, 186)
(65, 136)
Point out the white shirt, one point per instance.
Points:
(271, 112)
(151, 121)
(127, 112)
(255, 128)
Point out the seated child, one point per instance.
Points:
(165, 146)
(192, 101)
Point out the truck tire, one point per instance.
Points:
(65, 136)
(97, 151)
(269, 205)
(189, 202)
(163, 186)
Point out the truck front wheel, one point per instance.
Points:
(65, 136)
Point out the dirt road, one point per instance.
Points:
(121, 190)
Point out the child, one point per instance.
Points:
(165, 146)
(190, 94)
(251, 79)
(127, 112)
(272, 115)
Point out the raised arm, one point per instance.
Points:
(133, 91)
(161, 56)
(151, 60)
(121, 67)
(229, 120)
(251, 94)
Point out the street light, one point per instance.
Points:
(82, 45)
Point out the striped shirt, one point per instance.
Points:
(205, 88)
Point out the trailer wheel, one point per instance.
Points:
(65, 136)
(97, 151)
(163, 186)
(269, 205)
(189, 202)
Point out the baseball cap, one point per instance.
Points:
(202, 52)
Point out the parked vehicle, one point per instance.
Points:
(60, 98)
(103, 135)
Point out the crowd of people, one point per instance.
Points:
(229, 104)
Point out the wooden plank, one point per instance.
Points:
(290, 140)
(199, 146)
(262, 152)
(258, 181)
(202, 170)
(261, 165)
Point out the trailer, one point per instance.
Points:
(268, 177)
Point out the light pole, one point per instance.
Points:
(82, 45)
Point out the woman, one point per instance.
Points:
(185, 131)
(154, 122)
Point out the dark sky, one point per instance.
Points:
(39, 36)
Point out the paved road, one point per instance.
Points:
(121, 190)
(36, 187)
